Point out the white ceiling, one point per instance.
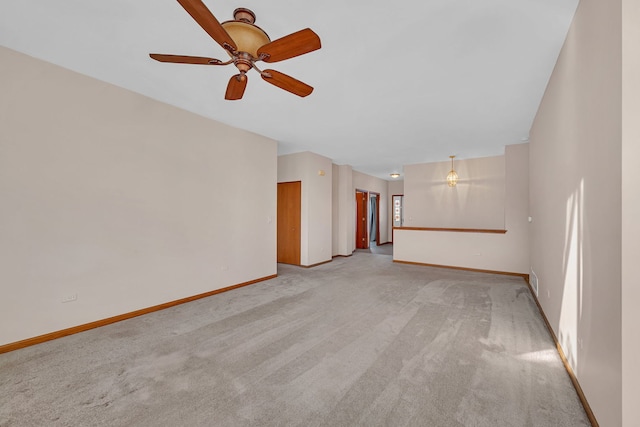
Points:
(396, 82)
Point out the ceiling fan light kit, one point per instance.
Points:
(246, 44)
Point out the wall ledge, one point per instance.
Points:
(454, 230)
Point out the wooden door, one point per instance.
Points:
(289, 214)
(361, 220)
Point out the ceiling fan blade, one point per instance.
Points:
(236, 87)
(182, 59)
(209, 23)
(287, 83)
(298, 43)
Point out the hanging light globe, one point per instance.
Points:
(452, 177)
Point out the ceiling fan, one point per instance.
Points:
(247, 44)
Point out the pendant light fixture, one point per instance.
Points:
(452, 177)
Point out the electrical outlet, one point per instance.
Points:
(69, 298)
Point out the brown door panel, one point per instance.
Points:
(289, 219)
(361, 220)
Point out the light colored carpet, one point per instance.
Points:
(360, 341)
(386, 249)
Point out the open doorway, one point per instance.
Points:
(361, 219)
(374, 219)
(367, 219)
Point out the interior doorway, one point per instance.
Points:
(361, 219)
(374, 218)
(289, 219)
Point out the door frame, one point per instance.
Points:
(377, 195)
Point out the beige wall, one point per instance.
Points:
(316, 228)
(120, 200)
(575, 199)
(343, 211)
(498, 252)
(476, 202)
(345, 183)
(630, 211)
